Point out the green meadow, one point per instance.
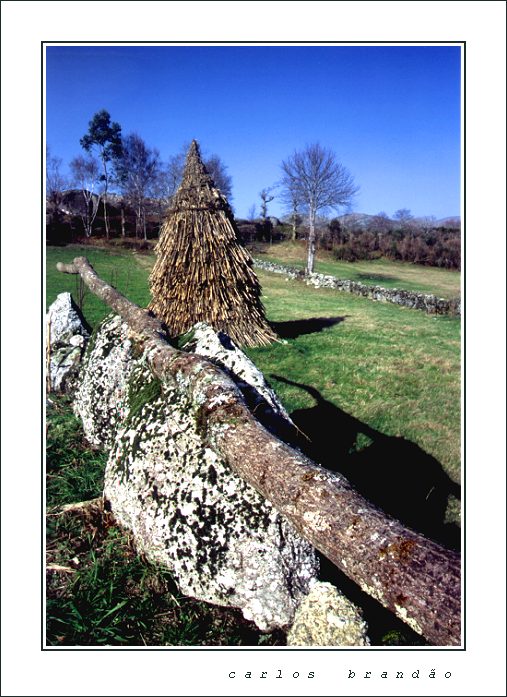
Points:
(374, 389)
(380, 272)
(395, 369)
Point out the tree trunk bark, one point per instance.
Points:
(123, 220)
(104, 199)
(311, 242)
(415, 578)
(106, 223)
(138, 221)
(145, 237)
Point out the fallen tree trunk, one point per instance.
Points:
(412, 576)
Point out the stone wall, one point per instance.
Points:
(407, 298)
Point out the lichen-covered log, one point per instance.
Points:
(414, 577)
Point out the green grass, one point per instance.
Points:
(109, 595)
(395, 369)
(74, 471)
(382, 370)
(125, 270)
(381, 272)
(102, 592)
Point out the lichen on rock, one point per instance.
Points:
(67, 337)
(101, 397)
(186, 509)
(262, 401)
(327, 618)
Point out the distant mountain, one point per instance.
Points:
(451, 221)
(365, 220)
(357, 220)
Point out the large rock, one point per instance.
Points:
(67, 336)
(101, 400)
(327, 618)
(218, 348)
(222, 541)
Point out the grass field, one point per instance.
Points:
(375, 387)
(395, 369)
(99, 590)
(126, 270)
(381, 272)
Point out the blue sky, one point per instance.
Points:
(390, 113)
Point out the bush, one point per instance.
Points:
(434, 247)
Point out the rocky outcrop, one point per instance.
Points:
(186, 509)
(327, 618)
(416, 301)
(67, 337)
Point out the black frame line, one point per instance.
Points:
(261, 649)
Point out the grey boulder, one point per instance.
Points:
(186, 509)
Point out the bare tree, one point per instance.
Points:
(86, 175)
(427, 223)
(218, 172)
(215, 167)
(267, 227)
(404, 217)
(55, 180)
(381, 223)
(265, 199)
(173, 173)
(166, 183)
(138, 172)
(291, 200)
(321, 182)
(252, 212)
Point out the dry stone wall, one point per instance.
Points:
(417, 301)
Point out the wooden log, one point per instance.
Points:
(416, 578)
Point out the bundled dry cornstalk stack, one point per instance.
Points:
(202, 274)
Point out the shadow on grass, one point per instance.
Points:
(393, 473)
(294, 328)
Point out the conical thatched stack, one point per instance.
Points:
(202, 274)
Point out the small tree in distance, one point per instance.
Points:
(403, 216)
(290, 199)
(265, 199)
(138, 171)
(267, 227)
(320, 182)
(173, 173)
(55, 181)
(106, 138)
(85, 175)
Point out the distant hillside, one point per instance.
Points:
(366, 221)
